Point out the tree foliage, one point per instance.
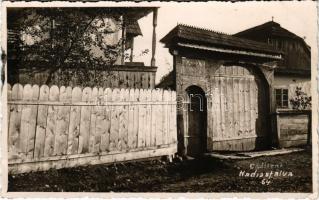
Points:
(65, 37)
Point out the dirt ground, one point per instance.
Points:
(202, 175)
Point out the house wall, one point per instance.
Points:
(289, 83)
(237, 103)
(287, 80)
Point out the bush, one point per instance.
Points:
(301, 101)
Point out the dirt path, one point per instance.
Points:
(205, 175)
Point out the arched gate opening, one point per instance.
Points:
(196, 140)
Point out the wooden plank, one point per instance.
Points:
(138, 80)
(25, 121)
(218, 108)
(212, 111)
(51, 122)
(41, 123)
(75, 119)
(145, 80)
(100, 125)
(165, 116)
(251, 108)
(247, 106)
(85, 122)
(227, 91)
(131, 109)
(152, 80)
(231, 107)
(106, 122)
(141, 116)
(153, 118)
(94, 97)
(32, 122)
(126, 118)
(130, 80)
(148, 118)
(115, 79)
(159, 116)
(14, 123)
(136, 119)
(62, 123)
(229, 101)
(235, 106)
(222, 107)
(122, 142)
(114, 134)
(241, 107)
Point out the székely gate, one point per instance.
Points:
(224, 91)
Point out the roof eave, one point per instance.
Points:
(274, 56)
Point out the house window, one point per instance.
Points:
(281, 98)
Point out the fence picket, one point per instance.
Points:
(153, 117)
(159, 130)
(136, 119)
(130, 128)
(74, 127)
(25, 120)
(121, 111)
(148, 121)
(105, 137)
(125, 119)
(32, 122)
(85, 122)
(62, 123)
(51, 122)
(114, 134)
(100, 126)
(165, 120)
(141, 119)
(15, 122)
(41, 122)
(92, 134)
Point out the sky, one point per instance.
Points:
(227, 17)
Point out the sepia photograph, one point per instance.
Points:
(210, 97)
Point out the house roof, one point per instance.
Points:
(202, 36)
(272, 28)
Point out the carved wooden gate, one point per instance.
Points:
(238, 110)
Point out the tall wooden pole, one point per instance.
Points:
(132, 50)
(154, 37)
(123, 41)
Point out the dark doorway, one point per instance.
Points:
(196, 138)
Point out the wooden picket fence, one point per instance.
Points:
(52, 127)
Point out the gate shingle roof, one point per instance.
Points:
(197, 35)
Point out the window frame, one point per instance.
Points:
(282, 100)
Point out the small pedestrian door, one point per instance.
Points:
(197, 122)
